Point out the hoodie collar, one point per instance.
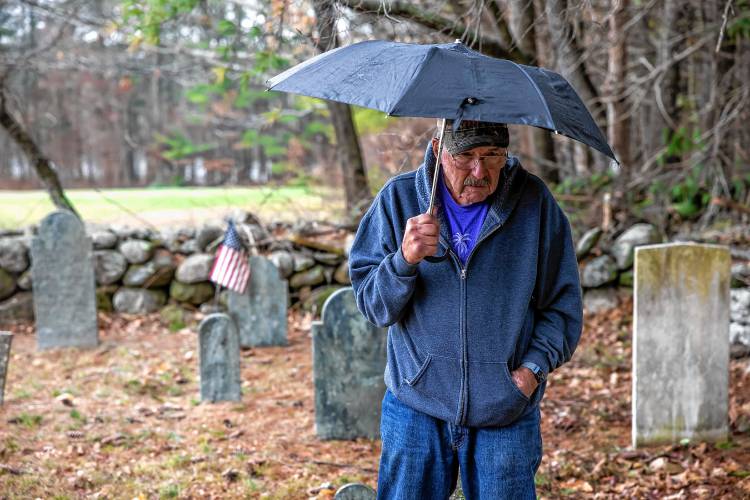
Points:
(502, 201)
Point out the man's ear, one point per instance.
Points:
(435, 144)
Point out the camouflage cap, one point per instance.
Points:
(474, 134)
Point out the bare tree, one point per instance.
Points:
(15, 129)
(618, 127)
(350, 158)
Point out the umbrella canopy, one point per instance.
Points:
(444, 81)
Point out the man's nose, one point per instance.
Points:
(478, 169)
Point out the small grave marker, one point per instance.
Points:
(5, 340)
(355, 491)
(219, 359)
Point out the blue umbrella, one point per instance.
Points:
(448, 81)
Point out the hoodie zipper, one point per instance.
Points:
(463, 400)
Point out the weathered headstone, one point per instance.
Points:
(219, 359)
(260, 313)
(349, 357)
(355, 491)
(64, 289)
(5, 339)
(680, 343)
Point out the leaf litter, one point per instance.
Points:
(125, 421)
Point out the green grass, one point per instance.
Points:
(29, 420)
(164, 206)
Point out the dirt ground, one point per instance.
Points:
(125, 421)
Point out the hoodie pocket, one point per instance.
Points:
(434, 388)
(411, 364)
(413, 380)
(494, 399)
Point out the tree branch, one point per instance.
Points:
(44, 168)
(449, 27)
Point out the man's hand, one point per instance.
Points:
(524, 380)
(420, 238)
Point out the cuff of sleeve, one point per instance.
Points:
(531, 366)
(402, 267)
(538, 358)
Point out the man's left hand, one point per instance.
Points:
(524, 380)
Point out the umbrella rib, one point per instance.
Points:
(539, 93)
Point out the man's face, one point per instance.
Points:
(474, 174)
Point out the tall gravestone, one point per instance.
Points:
(261, 312)
(349, 356)
(219, 359)
(680, 343)
(62, 271)
(5, 339)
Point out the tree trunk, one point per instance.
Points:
(521, 24)
(526, 36)
(44, 168)
(618, 126)
(350, 159)
(570, 60)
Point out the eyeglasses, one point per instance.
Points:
(465, 161)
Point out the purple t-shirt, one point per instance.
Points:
(464, 221)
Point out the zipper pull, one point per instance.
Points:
(463, 273)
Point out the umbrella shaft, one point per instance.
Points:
(437, 169)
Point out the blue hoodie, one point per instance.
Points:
(456, 332)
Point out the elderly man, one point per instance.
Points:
(471, 338)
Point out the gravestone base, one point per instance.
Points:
(671, 436)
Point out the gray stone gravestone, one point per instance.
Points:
(219, 359)
(680, 343)
(355, 491)
(261, 312)
(349, 356)
(5, 339)
(62, 271)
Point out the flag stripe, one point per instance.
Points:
(218, 272)
(232, 269)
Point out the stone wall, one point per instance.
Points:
(139, 270)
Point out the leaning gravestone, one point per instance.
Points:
(5, 339)
(349, 357)
(219, 359)
(355, 491)
(680, 343)
(260, 312)
(62, 271)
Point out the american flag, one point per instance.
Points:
(231, 268)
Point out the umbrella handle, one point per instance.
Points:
(437, 258)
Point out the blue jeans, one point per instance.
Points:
(422, 455)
